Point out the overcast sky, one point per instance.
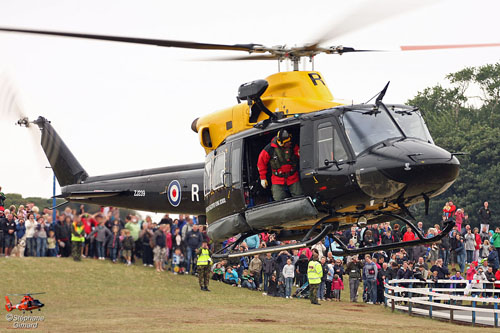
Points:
(124, 107)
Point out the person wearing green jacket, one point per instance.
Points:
(496, 240)
(77, 239)
(204, 263)
(2, 197)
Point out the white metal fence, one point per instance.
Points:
(440, 300)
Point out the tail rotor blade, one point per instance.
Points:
(11, 108)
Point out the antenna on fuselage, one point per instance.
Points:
(382, 94)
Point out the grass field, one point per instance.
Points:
(96, 296)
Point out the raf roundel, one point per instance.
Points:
(174, 193)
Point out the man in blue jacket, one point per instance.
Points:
(493, 260)
(194, 238)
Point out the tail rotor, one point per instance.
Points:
(8, 304)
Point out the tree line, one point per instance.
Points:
(465, 117)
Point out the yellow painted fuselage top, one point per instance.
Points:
(288, 92)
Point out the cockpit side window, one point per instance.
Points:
(325, 142)
(330, 147)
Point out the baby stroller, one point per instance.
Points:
(302, 292)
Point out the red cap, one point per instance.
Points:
(1, 208)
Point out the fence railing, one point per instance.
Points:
(440, 300)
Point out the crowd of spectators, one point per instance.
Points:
(171, 244)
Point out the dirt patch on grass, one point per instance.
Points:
(263, 320)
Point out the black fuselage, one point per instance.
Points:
(353, 160)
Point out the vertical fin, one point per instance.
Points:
(64, 164)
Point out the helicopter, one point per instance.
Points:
(27, 303)
(359, 164)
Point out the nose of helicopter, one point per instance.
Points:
(423, 167)
(410, 167)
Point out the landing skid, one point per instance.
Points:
(344, 251)
(327, 229)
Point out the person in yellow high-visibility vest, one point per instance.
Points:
(77, 239)
(314, 275)
(203, 265)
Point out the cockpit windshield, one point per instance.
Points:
(411, 122)
(365, 128)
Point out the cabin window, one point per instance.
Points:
(218, 171)
(236, 165)
(207, 176)
(329, 145)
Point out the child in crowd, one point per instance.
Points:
(231, 277)
(351, 246)
(272, 289)
(218, 275)
(178, 262)
(123, 235)
(484, 251)
(128, 245)
(288, 274)
(281, 287)
(114, 243)
(328, 282)
(434, 277)
(337, 286)
(456, 275)
(477, 281)
(471, 271)
(247, 280)
(51, 244)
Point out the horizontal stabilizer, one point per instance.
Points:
(82, 195)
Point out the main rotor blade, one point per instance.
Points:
(147, 41)
(35, 293)
(440, 47)
(249, 57)
(367, 14)
(351, 49)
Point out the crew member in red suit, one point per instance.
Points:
(283, 156)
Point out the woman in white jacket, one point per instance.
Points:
(30, 233)
(477, 281)
(288, 273)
